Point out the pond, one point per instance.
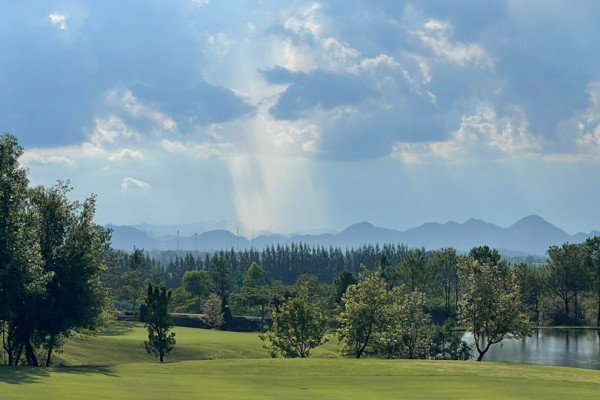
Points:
(549, 346)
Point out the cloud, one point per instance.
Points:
(126, 154)
(200, 105)
(201, 151)
(68, 155)
(132, 183)
(436, 35)
(128, 102)
(307, 92)
(220, 44)
(173, 146)
(109, 129)
(59, 20)
(200, 3)
(481, 136)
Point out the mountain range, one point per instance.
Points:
(530, 235)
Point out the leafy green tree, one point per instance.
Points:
(413, 270)
(221, 274)
(213, 315)
(255, 276)
(408, 327)
(415, 326)
(341, 283)
(443, 265)
(532, 284)
(72, 246)
(567, 276)
(490, 306)
(199, 284)
(365, 313)
(22, 277)
(447, 344)
(485, 255)
(593, 264)
(158, 322)
(297, 328)
(132, 280)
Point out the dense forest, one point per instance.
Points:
(564, 291)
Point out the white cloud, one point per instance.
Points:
(129, 183)
(200, 3)
(107, 130)
(305, 21)
(59, 20)
(220, 44)
(201, 151)
(437, 35)
(126, 154)
(483, 135)
(67, 155)
(44, 157)
(128, 102)
(173, 146)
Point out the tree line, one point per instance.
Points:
(59, 276)
(563, 291)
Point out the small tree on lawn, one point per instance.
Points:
(160, 340)
(297, 328)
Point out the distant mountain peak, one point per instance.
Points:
(533, 222)
(359, 226)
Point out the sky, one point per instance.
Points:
(298, 115)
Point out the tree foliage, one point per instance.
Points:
(365, 313)
(51, 255)
(298, 327)
(490, 306)
(158, 322)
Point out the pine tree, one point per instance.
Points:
(160, 341)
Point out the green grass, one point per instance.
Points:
(225, 365)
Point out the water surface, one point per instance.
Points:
(549, 346)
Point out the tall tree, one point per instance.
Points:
(413, 270)
(160, 341)
(364, 314)
(297, 328)
(341, 284)
(132, 280)
(22, 277)
(490, 306)
(443, 265)
(593, 264)
(221, 274)
(567, 276)
(72, 246)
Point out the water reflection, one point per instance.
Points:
(555, 346)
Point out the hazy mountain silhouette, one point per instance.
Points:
(530, 235)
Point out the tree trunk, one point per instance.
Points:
(576, 310)
(30, 354)
(50, 349)
(17, 356)
(598, 314)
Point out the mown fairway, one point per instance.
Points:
(222, 365)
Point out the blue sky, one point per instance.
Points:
(300, 115)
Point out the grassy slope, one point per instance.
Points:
(121, 369)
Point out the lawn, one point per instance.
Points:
(225, 365)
